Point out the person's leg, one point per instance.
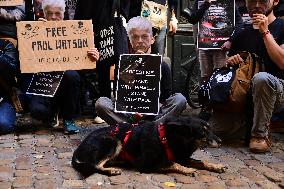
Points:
(174, 106)
(105, 109)
(68, 95)
(268, 96)
(41, 108)
(219, 59)
(68, 99)
(104, 84)
(7, 117)
(160, 41)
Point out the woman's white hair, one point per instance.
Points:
(53, 3)
(139, 22)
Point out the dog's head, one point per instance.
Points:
(186, 134)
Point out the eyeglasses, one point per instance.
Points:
(144, 37)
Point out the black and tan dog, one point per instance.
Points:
(148, 147)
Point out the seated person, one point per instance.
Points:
(67, 97)
(267, 87)
(137, 29)
(9, 67)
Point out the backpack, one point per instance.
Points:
(232, 98)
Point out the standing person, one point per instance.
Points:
(67, 97)
(267, 87)
(159, 33)
(141, 38)
(211, 59)
(110, 35)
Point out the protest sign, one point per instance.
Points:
(4, 3)
(217, 24)
(55, 45)
(45, 83)
(138, 85)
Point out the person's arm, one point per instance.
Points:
(16, 13)
(239, 25)
(195, 14)
(166, 82)
(275, 51)
(173, 20)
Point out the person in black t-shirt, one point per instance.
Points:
(141, 38)
(267, 87)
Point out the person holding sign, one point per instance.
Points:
(67, 97)
(141, 38)
(267, 41)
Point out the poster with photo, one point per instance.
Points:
(217, 25)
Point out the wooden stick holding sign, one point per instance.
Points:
(55, 45)
(4, 3)
(138, 84)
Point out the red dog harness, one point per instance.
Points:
(162, 136)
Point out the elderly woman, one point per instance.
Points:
(67, 97)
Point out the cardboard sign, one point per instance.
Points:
(55, 45)
(138, 85)
(4, 3)
(45, 84)
(217, 24)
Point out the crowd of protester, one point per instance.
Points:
(143, 38)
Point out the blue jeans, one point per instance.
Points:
(7, 117)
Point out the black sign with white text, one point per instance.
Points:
(138, 84)
(45, 83)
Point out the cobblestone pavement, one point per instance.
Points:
(40, 158)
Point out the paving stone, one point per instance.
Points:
(162, 178)
(44, 142)
(250, 174)
(277, 166)
(6, 173)
(207, 178)
(43, 176)
(45, 184)
(23, 163)
(23, 173)
(216, 185)
(267, 184)
(65, 155)
(192, 186)
(185, 179)
(72, 176)
(120, 179)
(72, 183)
(5, 185)
(44, 169)
(6, 161)
(97, 180)
(274, 176)
(22, 182)
(235, 183)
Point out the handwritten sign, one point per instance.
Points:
(4, 3)
(55, 45)
(138, 85)
(217, 25)
(45, 84)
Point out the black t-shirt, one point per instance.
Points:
(251, 40)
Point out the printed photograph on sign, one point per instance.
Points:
(4, 3)
(55, 45)
(217, 25)
(138, 84)
(45, 83)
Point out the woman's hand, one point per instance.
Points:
(94, 54)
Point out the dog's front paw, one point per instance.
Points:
(114, 172)
(219, 168)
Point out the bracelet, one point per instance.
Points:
(265, 33)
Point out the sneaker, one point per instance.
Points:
(99, 120)
(70, 127)
(259, 145)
